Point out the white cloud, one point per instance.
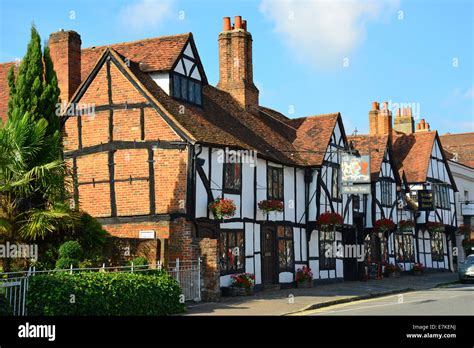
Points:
(144, 14)
(324, 32)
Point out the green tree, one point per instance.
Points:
(35, 88)
(33, 176)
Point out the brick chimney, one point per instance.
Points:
(380, 121)
(423, 126)
(65, 47)
(235, 63)
(404, 121)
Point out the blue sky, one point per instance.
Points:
(310, 57)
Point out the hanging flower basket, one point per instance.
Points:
(406, 225)
(435, 226)
(329, 221)
(304, 277)
(384, 225)
(222, 208)
(268, 205)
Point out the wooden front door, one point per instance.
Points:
(268, 255)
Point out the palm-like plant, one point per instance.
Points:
(33, 185)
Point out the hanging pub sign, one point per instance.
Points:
(425, 200)
(355, 169)
(356, 189)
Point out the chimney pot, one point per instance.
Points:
(226, 24)
(418, 126)
(238, 22)
(385, 105)
(398, 112)
(244, 25)
(375, 105)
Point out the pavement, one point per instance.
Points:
(293, 301)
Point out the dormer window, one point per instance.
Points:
(187, 89)
(187, 77)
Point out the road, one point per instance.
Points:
(457, 299)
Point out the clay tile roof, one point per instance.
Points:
(412, 154)
(377, 146)
(155, 54)
(459, 146)
(313, 134)
(222, 121)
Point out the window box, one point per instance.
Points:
(269, 205)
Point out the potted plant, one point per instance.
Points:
(392, 271)
(222, 208)
(384, 225)
(406, 225)
(435, 226)
(243, 283)
(268, 205)
(329, 221)
(418, 269)
(304, 277)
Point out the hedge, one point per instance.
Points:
(100, 293)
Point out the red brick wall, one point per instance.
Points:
(132, 197)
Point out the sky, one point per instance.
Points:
(310, 57)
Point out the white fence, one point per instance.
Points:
(14, 285)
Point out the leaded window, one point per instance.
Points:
(386, 191)
(232, 178)
(231, 251)
(275, 183)
(442, 196)
(187, 89)
(336, 192)
(285, 248)
(404, 247)
(327, 255)
(437, 253)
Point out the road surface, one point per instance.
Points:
(457, 299)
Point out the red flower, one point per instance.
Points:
(223, 208)
(303, 274)
(329, 220)
(434, 226)
(406, 224)
(383, 225)
(268, 205)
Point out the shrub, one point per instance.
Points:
(65, 263)
(139, 261)
(4, 306)
(70, 250)
(100, 293)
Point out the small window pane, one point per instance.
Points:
(184, 88)
(177, 86)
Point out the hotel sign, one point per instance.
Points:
(425, 200)
(356, 189)
(355, 169)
